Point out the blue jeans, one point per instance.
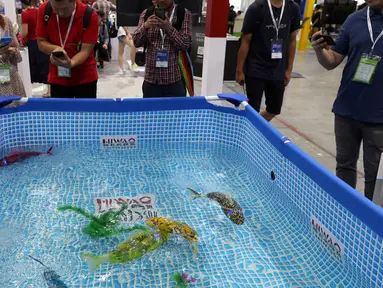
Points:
(349, 135)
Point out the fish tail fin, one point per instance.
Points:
(37, 260)
(195, 194)
(49, 152)
(93, 261)
(75, 210)
(195, 247)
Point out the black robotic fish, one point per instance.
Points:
(51, 277)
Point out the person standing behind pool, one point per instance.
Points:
(358, 108)
(38, 61)
(126, 39)
(11, 83)
(69, 28)
(267, 52)
(164, 39)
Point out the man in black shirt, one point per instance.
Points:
(231, 20)
(266, 57)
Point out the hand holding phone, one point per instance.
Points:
(329, 40)
(160, 13)
(58, 54)
(319, 41)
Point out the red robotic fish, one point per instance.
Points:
(18, 156)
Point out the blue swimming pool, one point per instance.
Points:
(303, 227)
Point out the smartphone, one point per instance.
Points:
(58, 54)
(160, 13)
(329, 40)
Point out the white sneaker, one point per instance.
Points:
(122, 72)
(135, 68)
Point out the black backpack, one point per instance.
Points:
(180, 17)
(86, 20)
(113, 31)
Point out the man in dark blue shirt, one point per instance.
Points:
(358, 107)
(266, 56)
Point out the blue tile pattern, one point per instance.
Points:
(271, 251)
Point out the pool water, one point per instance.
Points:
(274, 248)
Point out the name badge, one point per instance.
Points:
(276, 49)
(366, 68)
(63, 72)
(5, 74)
(162, 59)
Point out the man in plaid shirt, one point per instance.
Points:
(105, 6)
(163, 76)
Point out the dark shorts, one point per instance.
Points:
(88, 90)
(274, 91)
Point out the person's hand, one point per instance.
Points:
(12, 50)
(240, 78)
(5, 50)
(105, 46)
(318, 42)
(65, 61)
(287, 78)
(151, 22)
(164, 24)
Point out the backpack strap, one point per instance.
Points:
(47, 12)
(86, 19)
(87, 16)
(180, 18)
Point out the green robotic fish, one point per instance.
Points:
(104, 225)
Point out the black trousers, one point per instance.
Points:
(176, 89)
(230, 29)
(88, 90)
(349, 135)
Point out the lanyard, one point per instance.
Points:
(69, 27)
(280, 18)
(370, 30)
(171, 21)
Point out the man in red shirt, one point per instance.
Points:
(73, 71)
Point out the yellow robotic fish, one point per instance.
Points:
(167, 226)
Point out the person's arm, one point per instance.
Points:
(332, 58)
(89, 39)
(46, 47)
(24, 31)
(292, 44)
(42, 33)
(140, 35)
(329, 59)
(12, 52)
(291, 49)
(24, 26)
(112, 7)
(106, 35)
(180, 39)
(247, 34)
(242, 55)
(83, 55)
